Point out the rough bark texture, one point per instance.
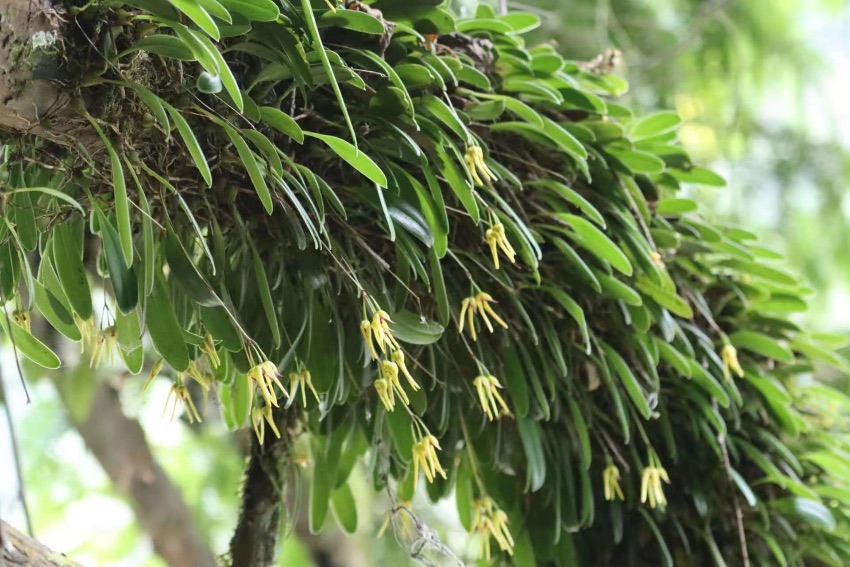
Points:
(120, 446)
(18, 550)
(34, 95)
(254, 541)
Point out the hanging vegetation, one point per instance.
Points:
(375, 230)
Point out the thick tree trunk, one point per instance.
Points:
(18, 550)
(120, 447)
(35, 97)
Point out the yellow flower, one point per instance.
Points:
(729, 355)
(389, 371)
(491, 400)
(611, 483)
(302, 381)
(489, 521)
(181, 396)
(381, 329)
(425, 455)
(650, 486)
(209, 349)
(259, 417)
(265, 375)
(155, 369)
(656, 259)
(385, 393)
(87, 332)
(104, 347)
(203, 379)
(22, 318)
(477, 167)
(398, 358)
(478, 304)
(496, 238)
(366, 331)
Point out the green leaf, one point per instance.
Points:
(344, 508)
(313, 28)
(251, 166)
(29, 346)
(459, 184)
(56, 313)
(761, 344)
(654, 125)
(413, 329)
(164, 45)
(571, 196)
(184, 271)
(254, 10)
(227, 77)
(445, 114)
(191, 143)
(665, 298)
(282, 122)
(123, 276)
(155, 104)
(198, 15)
(355, 158)
(266, 295)
(24, 219)
(671, 207)
(68, 261)
(596, 242)
(812, 511)
(627, 378)
(529, 434)
(699, 176)
(164, 328)
(574, 310)
(320, 492)
(354, 20)
(49, 191)
(639, 162)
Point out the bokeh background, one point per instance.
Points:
(762, 88)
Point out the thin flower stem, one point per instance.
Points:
(16, 452)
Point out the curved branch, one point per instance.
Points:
(18, 549)
(120, 447)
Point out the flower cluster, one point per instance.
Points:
(650, 486)
(478, 305)
(259, 417)
(611, 483)
(477, 167)
(105, 344)
(729, 355)
(497, 240)
(208, 348)
(22, 318)
(491, 400)
(179, 395)
(302, 381)
(387, 384)
(489, 521)
(265, 375)
(425, 455)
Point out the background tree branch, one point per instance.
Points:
(17, 549)
(119, 445)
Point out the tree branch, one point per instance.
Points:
(120, 447)
(16, 549)
(254, 541)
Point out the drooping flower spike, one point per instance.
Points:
(611, 483)
(478, 305)
(497, 240)
(425, 456)
(477, 167)
(490, 521)
(491, 400)
(729, 355)
(650, 487)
